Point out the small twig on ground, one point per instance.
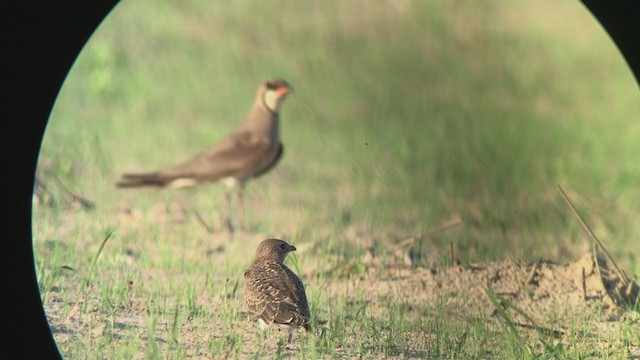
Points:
(584, 285)
(553, 332)
(628, 291)
(593, 236)
(431, 233)
(506, 305)
(41, 190)
(451, 254)
(594, 251)
(513, 261)
(85, 203)
(199, 218)
(408, 241)
(446, 226)
(533, 271)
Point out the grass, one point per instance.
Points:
(405, 115)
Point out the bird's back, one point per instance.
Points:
(237, 155)
(276, 294)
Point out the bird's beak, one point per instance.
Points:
(284, 90)
(292, 248)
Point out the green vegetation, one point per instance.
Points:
(405, 115)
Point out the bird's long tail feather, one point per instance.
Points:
(144, 179)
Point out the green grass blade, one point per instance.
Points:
(97, 255)
(544, 332)
(500, 310)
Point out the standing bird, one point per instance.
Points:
(250, 151)
(272, 291)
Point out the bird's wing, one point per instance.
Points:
(296, 287)
(273, 162)
(273, 296)
(238, 155)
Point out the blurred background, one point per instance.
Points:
(406, 115)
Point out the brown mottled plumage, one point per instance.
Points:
(250, 151)
(273, 292)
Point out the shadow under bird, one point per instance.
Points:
(273, 292)
(249, 152)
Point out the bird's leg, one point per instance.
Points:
(229, 211)
(240, 205)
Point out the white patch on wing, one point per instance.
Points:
(181, 183)
(230, 182)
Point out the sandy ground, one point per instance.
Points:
(589, 295)
(550, 294)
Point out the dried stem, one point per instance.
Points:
(533, 272)
(593, 236)
(199, 217)
(584, 285)
(85, 203)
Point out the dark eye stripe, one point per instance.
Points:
(276, 84)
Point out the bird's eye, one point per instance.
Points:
(271, 85)
(283, 247)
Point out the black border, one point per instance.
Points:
(620, 20)
(40, 42)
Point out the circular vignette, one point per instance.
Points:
(617, 19)
(40, 44)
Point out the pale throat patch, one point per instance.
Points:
(272, 99)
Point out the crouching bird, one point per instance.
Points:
(273, 292)
(247, 153)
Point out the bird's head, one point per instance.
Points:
(272, 250)
(273, 92)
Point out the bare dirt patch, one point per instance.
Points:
(554, 297)
(587, 299)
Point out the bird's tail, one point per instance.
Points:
(143, 179)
